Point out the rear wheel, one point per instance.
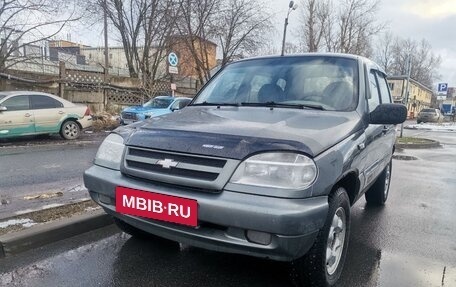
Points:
(70, 130)
(324, 262)
(378, 193)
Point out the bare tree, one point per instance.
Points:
(394, 59)
(198, 24)
(26, 23)
(315, 17)
(144, 27)
(241, 28)
(347, 26)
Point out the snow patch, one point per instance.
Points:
(25, 222)
(450, 127)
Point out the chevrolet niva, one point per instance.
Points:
(265, 161)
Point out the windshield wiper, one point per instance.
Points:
(205, 103)
(284, 105)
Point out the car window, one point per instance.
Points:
(1, 97)
(183, 103)
(373, 99)
(428, 111)
(330, 82)
(158, 103)
(384, 90)
(44, 102)
(17, 103)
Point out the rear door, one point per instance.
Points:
(373, 133)
(48, 113)
(18, 119)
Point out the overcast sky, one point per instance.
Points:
(434, 20)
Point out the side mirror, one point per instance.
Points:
(174, 109)
(2, 108)
(388, 114)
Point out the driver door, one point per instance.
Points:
(18, 119)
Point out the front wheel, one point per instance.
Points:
(378, 193)
(70, 130)
(324, 262)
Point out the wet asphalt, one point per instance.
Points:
(409, 242)
(47, 166)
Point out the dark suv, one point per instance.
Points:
(266, 161)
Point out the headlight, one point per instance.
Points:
(110, 152)
(285, 170)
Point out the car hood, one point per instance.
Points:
(237, 132)
(141, 109)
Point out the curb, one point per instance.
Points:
(433, 144)
(40, 235)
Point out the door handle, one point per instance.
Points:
(27, 115)
(61, 112)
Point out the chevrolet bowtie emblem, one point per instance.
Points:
(167, 163)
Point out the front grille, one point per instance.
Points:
(128, 116)
(190, 170)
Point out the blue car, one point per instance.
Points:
(155, 107)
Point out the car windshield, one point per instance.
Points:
(158, 103)
(320, 82)
(428, 111)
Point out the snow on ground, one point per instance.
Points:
(26, 222)
(449, 127)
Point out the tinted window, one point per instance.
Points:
(428, 111)
(327, 81)
(183, 103)
(17, 103)
(384, 91)
(44, 102)
(373, 97)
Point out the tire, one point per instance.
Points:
(314, 269)
(378, 193)
(70, 130)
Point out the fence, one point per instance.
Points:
(89, 87)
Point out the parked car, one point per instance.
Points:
(32, 113)
(429, 115)
(266, 161)
(155, 107)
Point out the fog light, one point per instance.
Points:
(105, 199)
(262, 238)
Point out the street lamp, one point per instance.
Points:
(292, 6)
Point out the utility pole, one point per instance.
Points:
(407, 87)
(106, 52)
(291, 6)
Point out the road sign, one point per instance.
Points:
(443, 88)
(173, 70)
(173, 60)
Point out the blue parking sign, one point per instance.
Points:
(443, 88)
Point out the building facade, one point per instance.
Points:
(420, 96)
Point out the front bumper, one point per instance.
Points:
(224, 217)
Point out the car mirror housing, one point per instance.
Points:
(388, 114)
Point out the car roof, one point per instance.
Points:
(365, 60)
(33, 93)
(20, 93)
(170, 97)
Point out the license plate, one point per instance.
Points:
(157, 206)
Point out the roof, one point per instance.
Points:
(338, 55)
(403, 78)
(19, 93)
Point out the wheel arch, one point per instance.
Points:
(350, 182)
